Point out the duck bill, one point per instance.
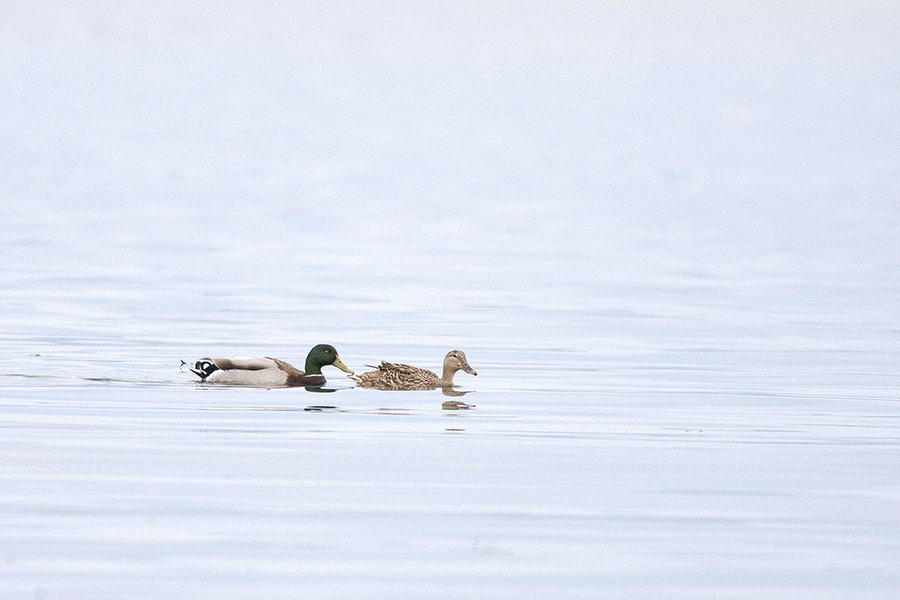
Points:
(469, 370)
(340, 365)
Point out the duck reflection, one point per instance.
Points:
(456, 405)
(320, 390)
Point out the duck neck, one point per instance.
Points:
(313, 367)
(447, 376)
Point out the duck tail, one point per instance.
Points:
(204, 367)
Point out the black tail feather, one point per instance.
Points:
(204, 367)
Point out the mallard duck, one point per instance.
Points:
(394, 376)
(269, 371)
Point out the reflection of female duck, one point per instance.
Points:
(269, 371)
(394, 376)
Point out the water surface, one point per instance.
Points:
(675, 274)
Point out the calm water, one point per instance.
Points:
(676, 275)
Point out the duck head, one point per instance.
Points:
(321, 356)
(456, 361)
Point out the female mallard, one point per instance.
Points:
(269, 371)
(392, 376)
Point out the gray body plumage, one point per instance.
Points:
(265, 371)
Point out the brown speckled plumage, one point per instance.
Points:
(396, 376)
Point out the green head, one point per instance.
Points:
(323, 355)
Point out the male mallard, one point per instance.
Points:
(392, 376)
(269, 371)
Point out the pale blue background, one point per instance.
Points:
(665, 237)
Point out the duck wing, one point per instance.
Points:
(398, 376)
(247, 363)
(295, 376)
